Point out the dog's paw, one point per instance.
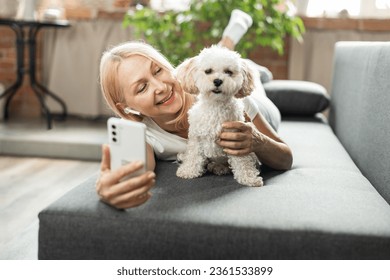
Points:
(251, 182)
(180, 157)
(188, 173)
(218, 168)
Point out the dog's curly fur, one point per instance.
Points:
(220, 78)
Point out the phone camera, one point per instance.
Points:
(114, 133)
(113, 126)
(114, 139)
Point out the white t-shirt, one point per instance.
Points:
(166, 146)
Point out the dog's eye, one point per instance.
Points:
(208, 71)
(227, 71)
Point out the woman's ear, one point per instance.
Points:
(121, 107)
(125, 112)
(185, 75)
(248, 83)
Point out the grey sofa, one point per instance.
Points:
(333, 203)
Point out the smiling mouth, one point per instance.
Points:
(165, 99)
(217, 91)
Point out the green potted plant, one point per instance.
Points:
(182, 34)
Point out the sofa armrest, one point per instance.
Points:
(360, 114)
(297, 98)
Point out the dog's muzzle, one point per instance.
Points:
(217, 91)
(217, 83)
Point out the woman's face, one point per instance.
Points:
(149, 88)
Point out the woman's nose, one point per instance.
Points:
(160, 86)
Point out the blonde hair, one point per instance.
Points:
(110, 85)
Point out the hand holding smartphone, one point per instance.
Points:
(127, 143)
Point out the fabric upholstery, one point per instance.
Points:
(360, 114)
(323, 208)
(297, 98)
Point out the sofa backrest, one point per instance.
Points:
(360, 107)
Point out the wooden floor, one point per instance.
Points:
(28, 185)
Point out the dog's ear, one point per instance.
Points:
(248, 83)
(185, 74)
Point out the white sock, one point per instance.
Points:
(238, 25)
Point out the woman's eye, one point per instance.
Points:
(141, 88)
(230, 73)
(158, 70)
(208, 71)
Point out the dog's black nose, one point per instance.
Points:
(218, 82)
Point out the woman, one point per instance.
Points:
(139, 84)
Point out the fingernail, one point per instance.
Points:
(138, 163)
(151, 175)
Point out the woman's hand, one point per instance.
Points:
(242, 138)
(123, 194)
(236, 138)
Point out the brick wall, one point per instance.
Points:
(24, 102)
(277, 64)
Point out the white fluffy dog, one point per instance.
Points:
(220, 78)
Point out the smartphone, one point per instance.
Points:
(127, 143)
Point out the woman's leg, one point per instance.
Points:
(238, 25)
(227, 43)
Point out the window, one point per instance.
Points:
(332, 7)
(351, 8)
(382, 4)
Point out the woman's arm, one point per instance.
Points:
(258, 137)
(151, 162)
(269, 148)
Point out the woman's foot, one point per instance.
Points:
(238, 25)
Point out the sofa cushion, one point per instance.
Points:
(360, 114)
(323, 208)
(297, 98)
